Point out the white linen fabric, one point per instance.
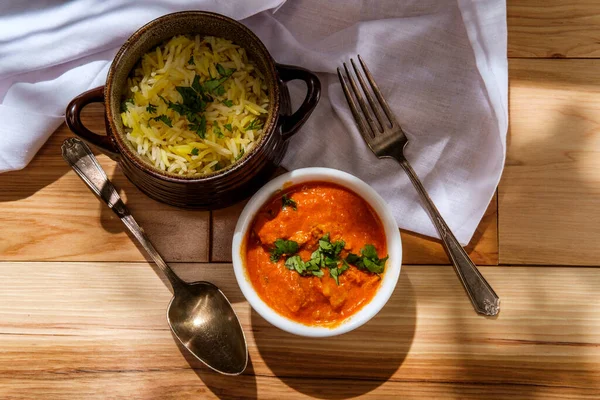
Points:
(441, 65)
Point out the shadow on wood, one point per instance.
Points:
(223, 386)
(549, 190)
(41, 172)
(354, 363)
(179, 235)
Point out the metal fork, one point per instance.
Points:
(385, 138)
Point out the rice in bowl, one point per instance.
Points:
(194, 105)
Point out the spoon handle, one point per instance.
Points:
(84, 163)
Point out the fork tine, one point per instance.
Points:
(382, 101)
(361, 102)
(376, 109)
(363, 128)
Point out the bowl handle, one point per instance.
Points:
(73, 120)
(291, 123)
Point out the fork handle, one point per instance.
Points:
(480, 292)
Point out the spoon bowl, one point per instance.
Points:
(203, 321)
(199, 314)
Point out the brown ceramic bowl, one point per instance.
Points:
(226, 186)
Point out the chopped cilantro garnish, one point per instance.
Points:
(199, 126)
(296, 263)
(198, 88)
(335, 272)
(214, 86)
(240, 154)
(219, 91)
(194, 151)
(217, 166)
(326, 256)
(191, 60)
(195, 99)
(124, 104)
(255, 124)
(331, 249)
(224, 71)
(353, 259)
(228, 103)
(163, 118)
(228, 127)
(369, 251)
(368, 260)
(287, 202)
(281, 247)
(151, 108)
(217, 131)
(318, 273)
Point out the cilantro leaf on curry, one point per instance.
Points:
(287, 202)
(296, 263)
(326, 256)
(281, 247)
(336, 272)
(368, 260)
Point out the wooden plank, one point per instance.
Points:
(195, 384)
(106, 337)
(550, 190)
(418, 249)
(553, 28)
(47, 213)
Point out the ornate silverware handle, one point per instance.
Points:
(480, 292)
(79, 156)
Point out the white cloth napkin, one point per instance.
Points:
(441, 65)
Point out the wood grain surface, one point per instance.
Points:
(553, 28)
(549, 195)
(50, 214)
(98, 330)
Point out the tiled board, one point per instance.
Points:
(98, 330)
(553, 28)
(48, 213)
(417, 249)
(549, 196)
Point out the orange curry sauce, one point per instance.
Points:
(321, 208)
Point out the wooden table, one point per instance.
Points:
(82, 314)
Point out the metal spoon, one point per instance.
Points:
(199, 314)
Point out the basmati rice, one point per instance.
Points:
(225, 111)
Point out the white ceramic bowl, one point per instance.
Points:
(394, 248)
